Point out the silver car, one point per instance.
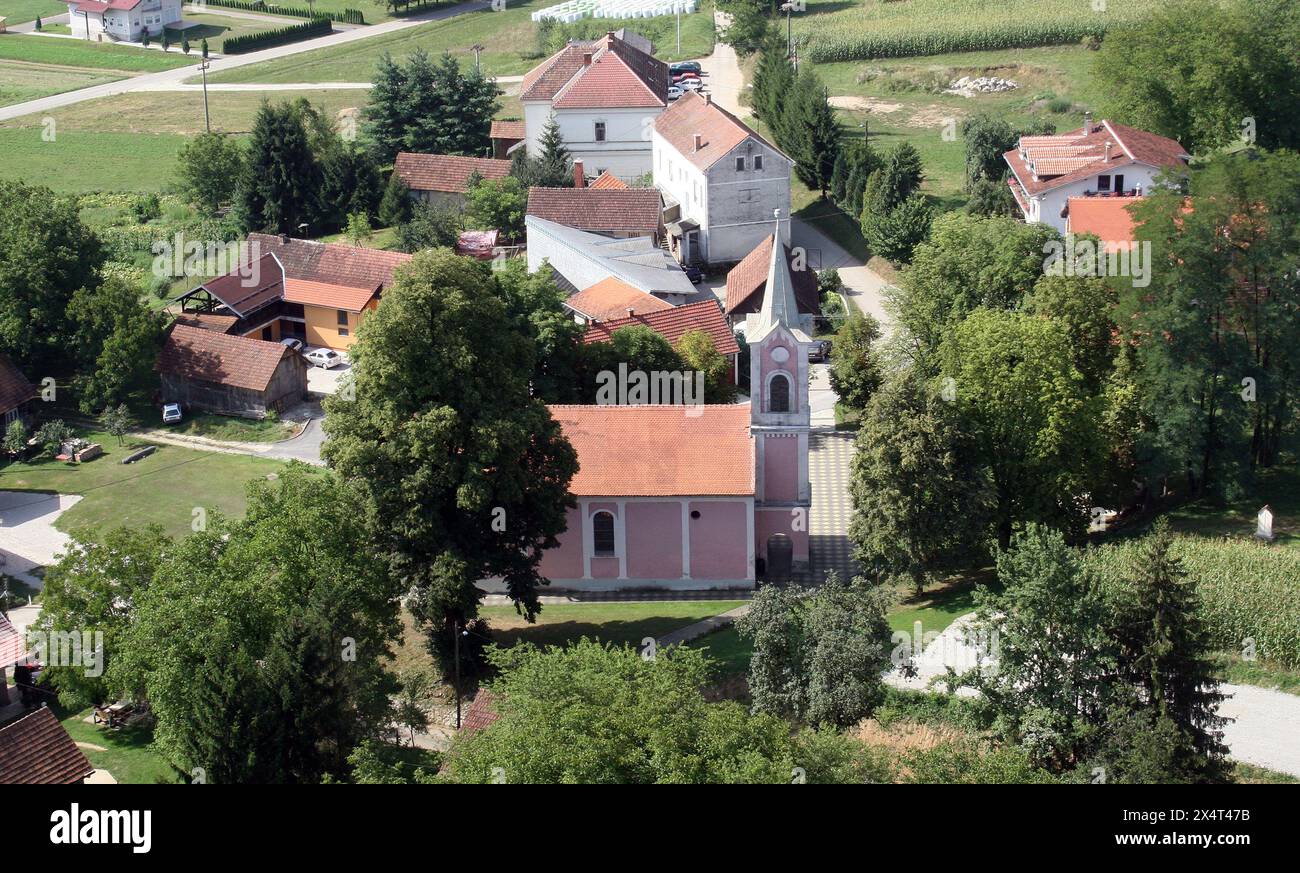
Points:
(326, 358)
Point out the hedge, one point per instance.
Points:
(249, 42)
(347, 16)
(1248, 590)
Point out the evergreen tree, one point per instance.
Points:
(810, 131)
(349, 186)
(166, 40)
(386, 112)
(553, 167)
(895, 233)
(281, 183)
(773, 82)
(395, 207)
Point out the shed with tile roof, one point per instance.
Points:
(229, 375)
(37, 750)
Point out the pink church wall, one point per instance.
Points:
(774, 521)
(565, 560)
(780, 467)
(719, 540)
(654, 540)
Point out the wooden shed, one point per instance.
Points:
(229, 375)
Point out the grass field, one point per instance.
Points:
(163, 488)
(508, 38)
(216, 28)
(22, 11)
(126, 753)
(76, 53)
(20, 81)
(224, 427)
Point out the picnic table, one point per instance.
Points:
(114, 715)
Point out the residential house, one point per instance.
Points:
(720, 181)
(443, 180)
(126, 20)
(603, 96)
(16, 393)
(229, 375)
(316, 292)
(608, 180)
(694, 497)
(580, 259)
(505, 135)
(615, 212)
(747, 281)
(1107, 218)
(1097, 160)
(672, 323)
(36, 750)
(611, 298)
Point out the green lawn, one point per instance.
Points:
(20, 82)
(128, 753)
(216, 28)
(95, 55)
(224, 427)
(617, 623)
(104, 161)
(164, 488)
(1278, 487)
(22, 11)
(727, 648)
(508, 37)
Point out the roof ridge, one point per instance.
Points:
(1105, 122)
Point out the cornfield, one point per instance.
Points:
(1248, 590)
(904, 28)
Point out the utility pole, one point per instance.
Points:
(679, 30)
(207, 119)
(456, 648)
(476, 48)
(787, 8)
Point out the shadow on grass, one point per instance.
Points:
(562, 633)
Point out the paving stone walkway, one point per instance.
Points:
(830, 458)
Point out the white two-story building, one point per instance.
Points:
(126, 20)
(1098, 160)
(605, 97)
(720, 181)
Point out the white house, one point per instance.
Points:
(1097, 160)
(580, 259)
(122, 19)
(604, 95)
(720, 181)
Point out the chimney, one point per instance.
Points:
(1087, 123)
(699, 141)
(586, 59)
(631, 311)
(1106, 153)
(284, 238)
(579, 176)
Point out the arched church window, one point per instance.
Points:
(778, 394)
(602, 528)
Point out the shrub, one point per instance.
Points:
(347, 16)
(249, 42)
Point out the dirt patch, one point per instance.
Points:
(867, 104)
(934, 116)
(906, 736)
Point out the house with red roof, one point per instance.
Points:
(444, 179)
(293, 288)
(16, 393)
(1107, 218)
(612, 298)
(747, 281)
(1104, 159)
(36, 750)
(603, 94)
(688, 496)
(671, 324)
(229, 375)
(616, 212)
(720, 181)
(125, 20)
(505, 135)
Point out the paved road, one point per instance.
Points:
(28, 538)
(153, 81)
(1266, 730)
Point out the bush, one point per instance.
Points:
(249, 42)
(1247, 589)
(146, 208)
(347, 16)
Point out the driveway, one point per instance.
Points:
(28, 538)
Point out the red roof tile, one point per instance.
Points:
(671, 323)
(618, 75)
(250, 286)
(507, 130)
(13, 648)
(720, 131)
(480, 713)
(36, 750)
(607, 180)
(1041, 163)
(1106, 218)
(749, 277)
(612, 298)
(599, 210)
(208, 321)
(659, 451)
(15, 390)
(446, 173)
(327, 294)
(335, 263)
(208, 356)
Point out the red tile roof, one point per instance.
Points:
(208, 321)
(1041, 163)
(208, 356)
(671, 323)
(618, 75)
(15, 390)
(480, 713)
(749, 277)
(600, 210)
(335, 263)
(36, 750)
(446, 173)
(250, 286)
(13, 648)
(659, 451)
(1106, 218)
(105, 5)
(327, 294)
(607, 180)
(612, 298)
(507, 130)
(720, 131)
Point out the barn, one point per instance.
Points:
(229, 375)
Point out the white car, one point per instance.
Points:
(690, 84)
(674, 92)
(171, 413)
(326, 358)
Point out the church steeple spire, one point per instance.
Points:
(779, 307)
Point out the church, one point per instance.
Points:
(699, 497)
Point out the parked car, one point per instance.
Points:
(171, 413)
(691, 85)
(685, 67)
(326, 358)
(292, 343)
(695, 274)
(674, 92)
(685, 77)
(819, 351)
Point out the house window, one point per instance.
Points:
(758, 162)
(343, 318)
(1103, 183)
(600, 131)
(778, 394)
(740, 164)
(602, 530)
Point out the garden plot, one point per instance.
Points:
(575, 10)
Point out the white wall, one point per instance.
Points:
(625, 151)
(1046, 207)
